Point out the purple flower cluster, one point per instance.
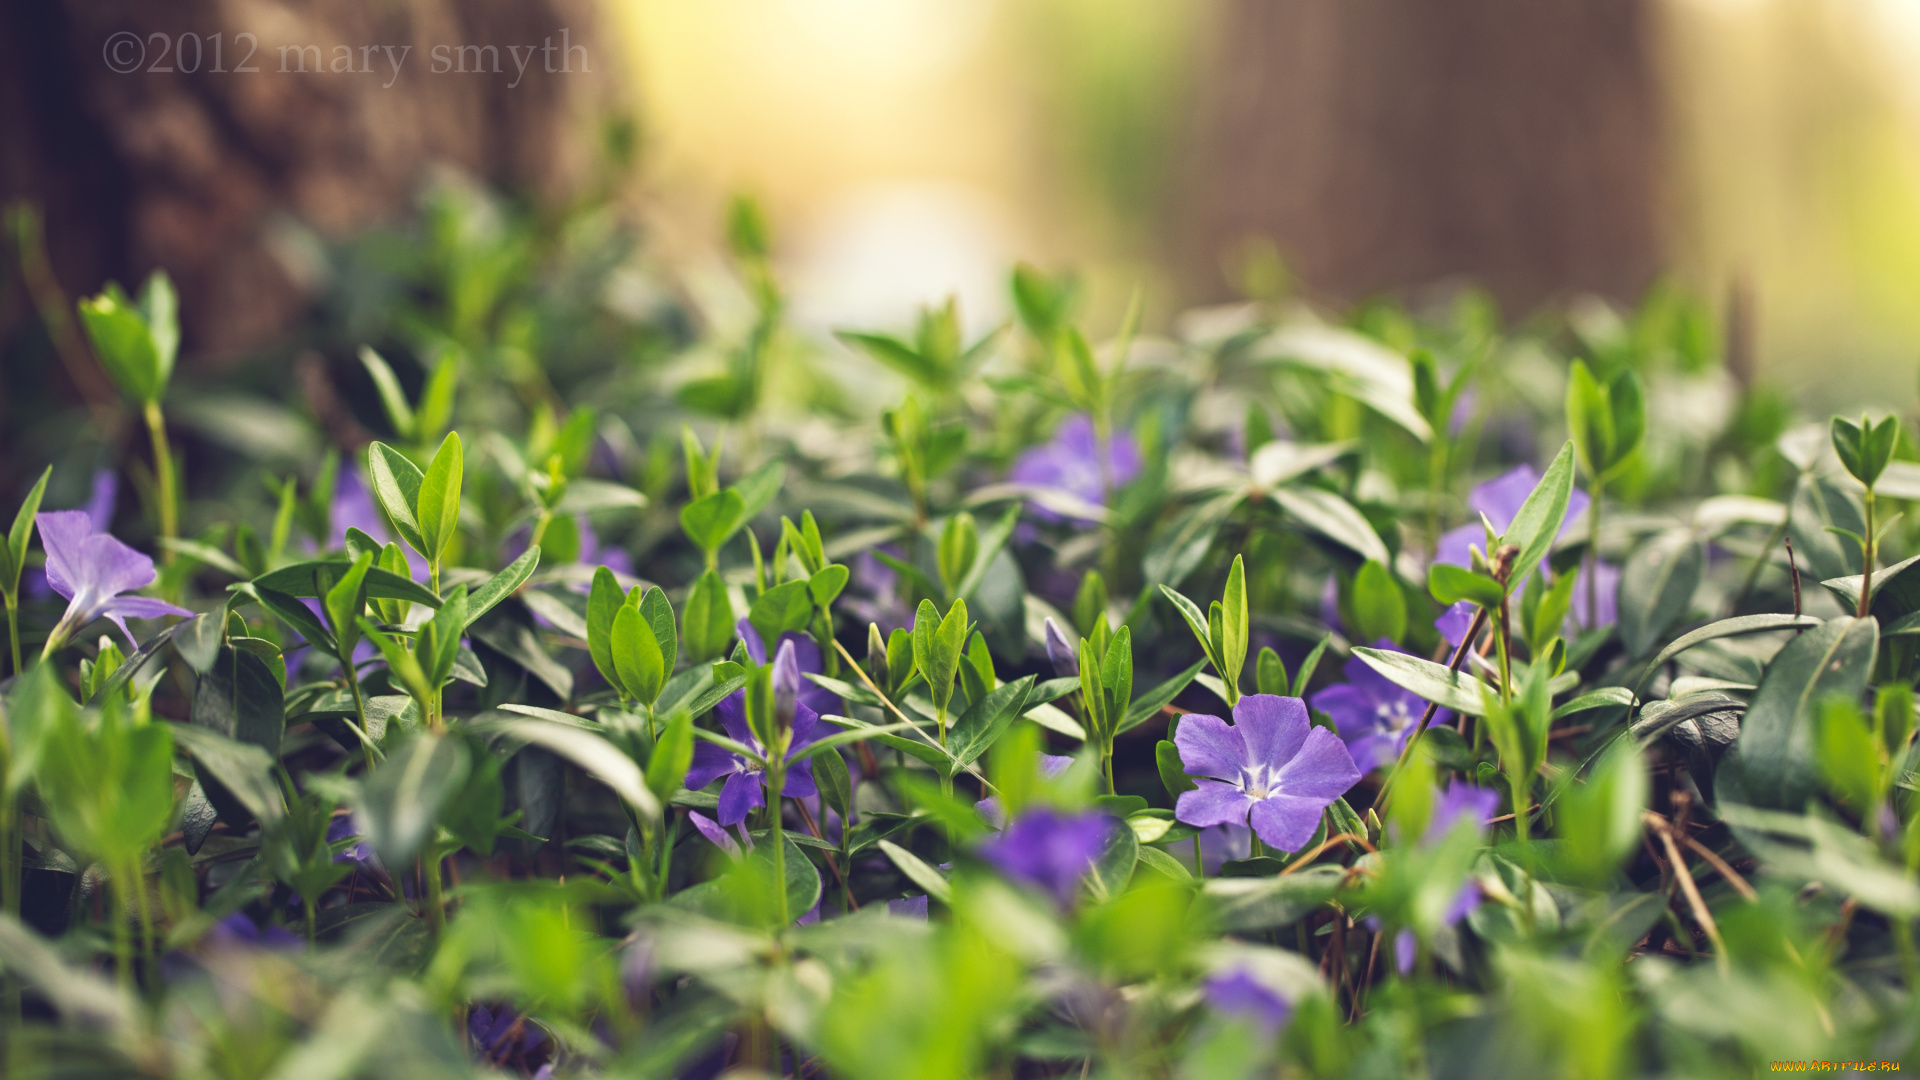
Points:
(745, 778)
(1270, 769)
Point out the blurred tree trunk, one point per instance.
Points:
(1384, 144)
(198, 171)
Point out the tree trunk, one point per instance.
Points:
(1384, 144)
(198, 170)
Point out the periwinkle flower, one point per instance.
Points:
(500, 1035)
(715, 833)
(92, 569)
(1500, 499)
(1072, 462)
(1375, 717)
(1270, 769)
(746, 778)
(1460, 802)
(1049, 849)
(1238, 994)
(239, 931)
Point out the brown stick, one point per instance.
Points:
(1685, 877)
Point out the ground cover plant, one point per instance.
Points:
(590, 682)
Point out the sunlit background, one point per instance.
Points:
(912, 148)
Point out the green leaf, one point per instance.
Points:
(986, 720)
(1599, 821)
(1233, 626)
(1378, 606)
(440, 638)
(1196, 622)
(785, 607)
(13, 560)
(1335, 518)
(826, 583)
(706, 622)
(1173, 772)
(1744, 624)
(306, 580)
(396, 485)
(1604, 698)
(1896, 591)
(1627, 401)
(1304, 676)
(402, 666)
(297, 616)
(1657, 587)
(503, 584)
(159, 308)
(1589, 420)
(403, 796)
(1148, 705)
(991, 545)
(657, 610)
(243, 770)
(710, 520)
(636, 656)
(345, 603)
(1116, 678)
(1846, 754)
(123, 344)
(603, 602)
(1537, 523)
(598, 757)
(959, 549)
(438, 511)
(1454, 690)
(392, 398)
(1451, 584)
(240, 698)
(1270, 673)
(1773, 761)
(918, 871)
(672, 756)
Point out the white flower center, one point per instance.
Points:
(1394, 714)
(1257, 781)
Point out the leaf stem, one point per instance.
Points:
(776, 784)
(13, 628)
(164, 478)
(1867, 546)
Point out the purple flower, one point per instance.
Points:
(361, 854)
(1454, 622)
(1375, 717)
(745, 778)
(99, 508)
(1462, 801)
(1270, 769)
(1238, 994)
(1060, 651)
(1500, 499)
(913, 907)
(1049, 849)
(1072, 463)
(239, 931)
(712, 830)
(494, 1033)
(806, 655)
(91, 569)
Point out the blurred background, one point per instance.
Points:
(1763, 153)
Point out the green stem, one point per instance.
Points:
(13, 627)
(436, 908)
(1519, 786)
(777, 783)
(313, 928)
(149, 945)
(1867, 546)
(1593, 557)
(540, 528)
(122, 932)
(163, 477)
(1909, 962)
(359, 709)
(668, 829)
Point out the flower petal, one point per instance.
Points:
(63, 533)
(710, 763)
(800, 783)
(112, 567)
(1209, 747)
(1272, 727)
(751, 639)
(141, 607)
(1286, 822)
(714, 833)
(1213, 803)
(741, 794)
(1351, 710)
(1322, 769)
(732, 711)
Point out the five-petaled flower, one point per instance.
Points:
(1270, 768)
(92, 570)
(1076, 463)
(1374, 716)
(1052, 850)
(745, 777)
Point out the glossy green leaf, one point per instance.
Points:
(1657, 587)
(438, 509)
(1773, 764)
(396, 484)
